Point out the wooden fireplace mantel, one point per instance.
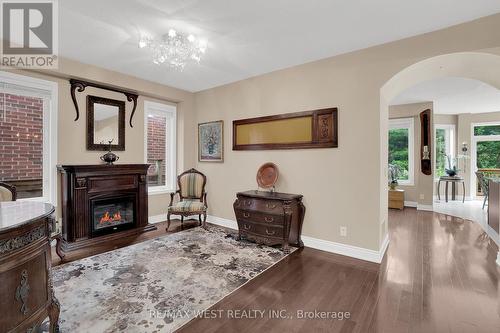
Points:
(82, 184)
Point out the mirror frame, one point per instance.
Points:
(91, 100)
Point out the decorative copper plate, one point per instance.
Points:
(267, 175)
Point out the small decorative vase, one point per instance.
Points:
(393, 186)
(109, 158)
(211, 149)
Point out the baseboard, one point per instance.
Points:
(410, 204)
(157, 218)
(383, 248)
(429, 208)
(222, 222)
(320, 244)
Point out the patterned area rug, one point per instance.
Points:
(157, 285)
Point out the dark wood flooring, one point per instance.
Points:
(439, 275)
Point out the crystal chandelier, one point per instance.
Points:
(175, 49)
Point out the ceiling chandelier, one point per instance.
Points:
(175, 49)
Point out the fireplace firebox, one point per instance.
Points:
(112, 214)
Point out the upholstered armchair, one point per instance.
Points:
(192, 197)
(7, 192)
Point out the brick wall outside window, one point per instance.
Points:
(156, 148)
(21, 143)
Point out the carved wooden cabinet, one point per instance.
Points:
(270, 218)
(27, 297)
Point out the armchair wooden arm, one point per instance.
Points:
(205, 199)
(172, 196)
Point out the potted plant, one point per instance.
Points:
(393, 176)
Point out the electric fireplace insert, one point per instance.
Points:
(111, 214)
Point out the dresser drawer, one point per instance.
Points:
(268, 206)
(263, 230)
(259, 217)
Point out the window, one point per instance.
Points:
(160, 146)
(28, 136)
(486, 141)
(401, 148)
(445, 145)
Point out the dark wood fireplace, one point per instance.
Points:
(102, 203)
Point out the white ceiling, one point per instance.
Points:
(246, 38)
(453, 95)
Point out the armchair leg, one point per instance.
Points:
(168, 220)
(182, 222)
(199, 218)
(205, 221)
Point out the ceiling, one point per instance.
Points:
(453, 95)
(245, 38)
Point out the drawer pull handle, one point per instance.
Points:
(269, 219)
(270, 206)
(247, 227)
(248, 202)
(270, 233)
(246, 214)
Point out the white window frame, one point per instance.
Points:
(406, 123)
(473, 154)
(170, 112)
(449, 142)
(48, 90)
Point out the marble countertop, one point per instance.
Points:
(16, 213)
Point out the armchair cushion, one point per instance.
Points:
(6, 193)
(187, 206)
(191, 185)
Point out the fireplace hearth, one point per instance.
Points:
(102, 203)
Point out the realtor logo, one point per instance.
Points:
(29, 33)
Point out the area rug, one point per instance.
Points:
(157, 285)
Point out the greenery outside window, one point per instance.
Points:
(401, 148)
(445, 145)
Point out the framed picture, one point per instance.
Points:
(211, 141)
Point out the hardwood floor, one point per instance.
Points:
(439, 275)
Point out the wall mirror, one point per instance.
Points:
(105, 124)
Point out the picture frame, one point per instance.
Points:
(211, 141)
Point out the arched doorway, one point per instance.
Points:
(484, 67)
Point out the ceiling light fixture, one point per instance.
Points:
(175, 49)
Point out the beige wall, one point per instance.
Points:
(72, 135)
(342, 186)
(421, 191)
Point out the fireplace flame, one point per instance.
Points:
(107, 218)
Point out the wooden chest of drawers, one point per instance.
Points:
(270, 218)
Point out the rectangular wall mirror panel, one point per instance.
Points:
(105, 123)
